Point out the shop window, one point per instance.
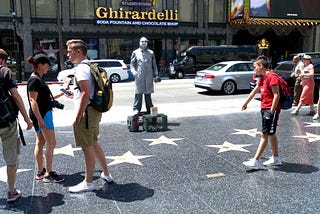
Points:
(187, 10)
(83, 9)
(43, 8)
(215, 12)
(5, 8)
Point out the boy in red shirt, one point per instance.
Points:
(270, 110)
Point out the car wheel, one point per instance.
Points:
(229, 87)
(180, 74)
(115, 78)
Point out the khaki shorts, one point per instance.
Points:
(87, 136)
(10, 144)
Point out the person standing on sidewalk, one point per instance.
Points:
(270, 109)
(40, 101)
(296, 74)
(144, 68)
(8, 132)
(87, 119)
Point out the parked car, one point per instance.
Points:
(117, 70)
(228, 76)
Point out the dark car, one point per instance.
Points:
(285, 68)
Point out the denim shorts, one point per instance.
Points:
(269, 121)
(48, 120)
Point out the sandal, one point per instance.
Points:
(311, 113)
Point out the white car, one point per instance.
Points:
(227, 77)
(117, 70)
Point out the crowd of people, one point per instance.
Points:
(87, 119)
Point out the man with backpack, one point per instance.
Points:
(8, 124)
(87, 118)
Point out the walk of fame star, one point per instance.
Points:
(66, 150)
(127, 157)
(312, 124)
(250, 132)
(226, 146)
(311, 137)
(163, 140)
(3, 173)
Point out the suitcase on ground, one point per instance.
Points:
(155, 123)
(135, 123)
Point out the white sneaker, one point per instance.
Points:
(316, 116)
(107, 178)
(252, 163)
(273, 161)
(82, 187)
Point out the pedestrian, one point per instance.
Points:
(298, 68)
(144, 68)
(8, 132)
(87, 119)
(41, 103)
(268, 85)
(307, 82)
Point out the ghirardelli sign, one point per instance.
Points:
(121, 16)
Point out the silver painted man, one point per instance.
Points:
(144, 68)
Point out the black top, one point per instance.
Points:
(44, 97)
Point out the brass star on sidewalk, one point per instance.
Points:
(226, 146)
(3, 173)
(128, 157)
(66, 150)
(163, 140)
(312, 124)
(250, 132)
(311, 137)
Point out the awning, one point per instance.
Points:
(281, 22)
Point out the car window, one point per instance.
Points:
(216, 67)
(285, 67)
(103, 64)
(114, 64)
(317, 68)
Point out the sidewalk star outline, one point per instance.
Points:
(312, 124)
(163, 140)
(3, 173)
(66, 150)
(127, 157)
(226, 146)
(311, 137)
(250, 132)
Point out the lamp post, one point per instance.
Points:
(15, 41)
(61, 45)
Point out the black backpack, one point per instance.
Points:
(8, 108)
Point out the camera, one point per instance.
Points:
(56, 104)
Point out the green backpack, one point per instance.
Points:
(103, 96)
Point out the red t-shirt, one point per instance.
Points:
(266, 94)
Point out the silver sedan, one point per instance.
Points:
(227, 77)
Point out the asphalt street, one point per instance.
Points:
(194, 167)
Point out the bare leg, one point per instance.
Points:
(100, 156)
(38, 151)
(11, 173)
(274, 145)
(50, 138)
(262, 146)
(90, 161)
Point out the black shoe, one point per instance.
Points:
(40, 175)
(53, 177)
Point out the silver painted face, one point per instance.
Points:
(143, 43)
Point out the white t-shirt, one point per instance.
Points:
(82, 72)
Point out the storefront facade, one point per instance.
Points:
(112, 28)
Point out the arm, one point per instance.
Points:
(154, 65)
(35, 108)
(84, 99)
(133, 63)
(276, 97)
(250, 97)
(19, 102)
